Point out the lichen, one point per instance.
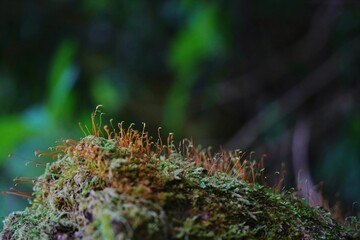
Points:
(122, 185)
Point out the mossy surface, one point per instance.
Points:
(124, 186)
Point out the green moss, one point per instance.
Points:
(124, 186)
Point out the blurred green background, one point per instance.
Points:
(278, 77)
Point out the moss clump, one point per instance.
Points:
(124, 186)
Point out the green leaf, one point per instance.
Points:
(200, 40)
(62, 77)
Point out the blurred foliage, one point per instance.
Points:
(15, 130)
(62, 77)
(340, 160)
(240, 74)
(200, 40)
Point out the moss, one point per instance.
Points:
(121, 185)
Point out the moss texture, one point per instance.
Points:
(122, 185)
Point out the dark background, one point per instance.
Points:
(276, 77)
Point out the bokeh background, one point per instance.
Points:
(277, 77)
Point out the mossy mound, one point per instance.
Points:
(124, 186)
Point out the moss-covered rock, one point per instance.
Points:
(124, 186)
